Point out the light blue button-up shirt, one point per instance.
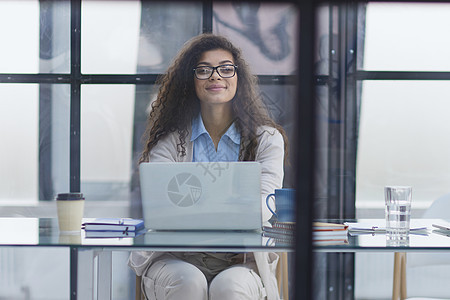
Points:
(204, 150)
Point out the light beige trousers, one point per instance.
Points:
(175, 279)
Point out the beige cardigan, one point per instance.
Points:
(270, 154)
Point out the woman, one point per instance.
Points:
(208, 109)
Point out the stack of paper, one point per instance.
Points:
(323, 233)
(113, 227)
(329, 233)
(379, 226)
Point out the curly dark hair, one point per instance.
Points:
(177, 104)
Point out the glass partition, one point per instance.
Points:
(76, 81)
(402, 135)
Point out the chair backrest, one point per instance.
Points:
(439, 209)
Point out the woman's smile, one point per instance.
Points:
(216, 87)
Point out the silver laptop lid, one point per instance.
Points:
(201, 195)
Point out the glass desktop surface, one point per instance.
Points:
(45, 232)
(417, 242)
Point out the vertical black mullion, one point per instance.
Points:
(73, 273)
(351, 141)
(336, 259)
(333, 260)
(342, 69)
(46, 26)
(75, 97)
(304, 159)
(207, 16)
(45, 142)
(334, 115)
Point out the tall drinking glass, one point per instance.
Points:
(398, 210)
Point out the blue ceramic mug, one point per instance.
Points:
(284, 200)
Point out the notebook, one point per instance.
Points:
(201, 195)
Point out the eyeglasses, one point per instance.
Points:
(224, 71)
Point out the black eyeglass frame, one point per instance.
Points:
(217, 70)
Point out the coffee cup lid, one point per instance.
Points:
(70, 196)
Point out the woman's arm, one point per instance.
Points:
(270, 154)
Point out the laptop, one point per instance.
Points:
(201, 195)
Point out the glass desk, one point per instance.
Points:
(418, 241)
(87, 252)
(44, 232)
(91, 258)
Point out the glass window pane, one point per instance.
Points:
(126, 37)
(37, 36)
(266, 33)
(107, 113)
(407, 37)
(19, 146)
(35, 141)
(404, 139)
(19, 19)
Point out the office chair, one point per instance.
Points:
(281, 275)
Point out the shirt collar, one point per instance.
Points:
(198, 128)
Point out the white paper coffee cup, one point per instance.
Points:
(70, 208)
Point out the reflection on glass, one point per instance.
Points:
(266, 32)
(106, 140)
(54, 142)
(126, 37)
(280, 99)
(54, 42)
(165, 27)
(407, 37)
(404, 139)
(322, 55)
